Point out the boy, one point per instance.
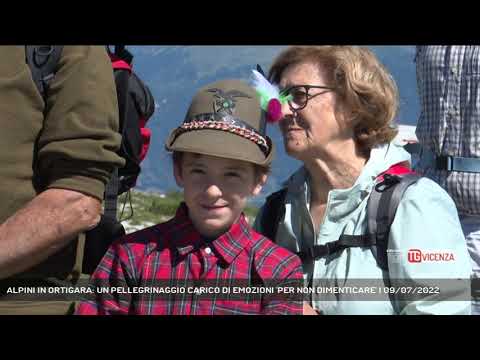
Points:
(221, 157)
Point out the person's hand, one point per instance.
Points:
(308, 310)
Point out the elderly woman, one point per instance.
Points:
(338, 121)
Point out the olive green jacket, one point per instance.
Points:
(69, 142)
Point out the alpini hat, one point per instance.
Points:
(225, 119)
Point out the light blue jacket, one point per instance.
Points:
(426, 220)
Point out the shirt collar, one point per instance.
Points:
(226, 247)
(231, 243)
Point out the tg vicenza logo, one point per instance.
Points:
(418, 256)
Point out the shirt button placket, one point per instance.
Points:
(193, 294)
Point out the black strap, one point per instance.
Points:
(450, 163)
(381, 209)
(111, 195)
(400, 188)
(413, 148)
(345, 241)
(462, 164)
(273, 212)
(123, 54)
(43, 61)
(98, 240)
(373, 211)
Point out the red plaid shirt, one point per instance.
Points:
(174, 252)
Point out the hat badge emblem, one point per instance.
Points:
(225, 102)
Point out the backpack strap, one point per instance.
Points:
(43, 61)
(121, 60)
(111, 195)
(345, 241)
(413, 148)
(122, 53)
(273, 211)
(381, 209)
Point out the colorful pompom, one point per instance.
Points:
(270, 98)
(274, 111)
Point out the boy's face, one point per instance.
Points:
(216, 190)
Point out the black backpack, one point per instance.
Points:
(136, 107)
(381, 208)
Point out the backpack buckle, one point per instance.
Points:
(311, 252)
(41, 54)
(317, 251)
(388, 181)
(444, 163)
(330, 248)
(308, 254)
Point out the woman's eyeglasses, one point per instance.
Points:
(299, 96)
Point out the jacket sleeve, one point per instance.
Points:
(78, 143)
(428, 258)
